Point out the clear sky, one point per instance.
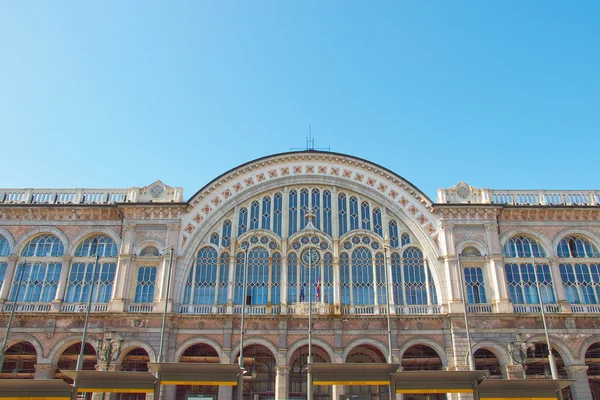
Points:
(500, 94)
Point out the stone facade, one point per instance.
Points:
(466, 229)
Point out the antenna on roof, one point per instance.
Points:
(310, 143)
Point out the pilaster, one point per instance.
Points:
(580, 389)
(514, 371)
(44, 371)
(282, 373)
(9, 277)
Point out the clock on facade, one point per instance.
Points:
(156, 191)
(310, 257)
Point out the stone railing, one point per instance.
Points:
(82, 307)
(546, 197)
(63, 196)
(463, 193)
(527, 308)
(585, 308)
(480, 308)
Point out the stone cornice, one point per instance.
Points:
(57, 213)
(549, 213)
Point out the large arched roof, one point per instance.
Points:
(292, 154)
(216, 199)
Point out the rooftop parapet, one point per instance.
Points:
(463, 193)
(156, 192)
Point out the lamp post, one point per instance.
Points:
(85, 324)
(470, 358)
(550, 355)
(309, 257)
(386, 254)
(12, 315)
(108, 351)
(240, 389)
(164, 324)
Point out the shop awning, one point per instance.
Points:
(112, 381)
(351, 373)
(437, 381)
(39, 389)
(196, 373)
(537, 389)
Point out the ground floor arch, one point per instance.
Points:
(19, 361)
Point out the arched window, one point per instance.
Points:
(327, 212)
(521, 279)
(226, 233)
(277, 213)
(276, 279)
(144, 290)
(316, 207)
(354, 213)
(475, 285)
(201, 285)
(303, 207)
(150, 251)
(381, 279)
(254, 215)
(82, 276)
(581, 281)
(257, 291)
(521, 274)
(41, 273)
(412, 281)
(342, 214)
(327, 287)
(523, 247)
(365, 213)
(293, 211)
(393, 229)
(243, 221)
(344, 279)
(266, 213)
(4, 253)
(377, 227)
(223, 278)
(405, 239)
(577, 247)
(362, 277)
(214, 238)
(292, 278)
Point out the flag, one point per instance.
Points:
(302, 293)
(319, 290)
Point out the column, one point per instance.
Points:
(62, 283)
(285, 202)
(335, 229)
(44, 371)
(375, 286)
(231, 278)
(498, 282)
(123, 265)
(284, 278)
(514, 371)
(171, 240)
(558, 285)
(9, 277)
(281, 382)
(580, 389)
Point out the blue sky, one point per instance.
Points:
(501, 94)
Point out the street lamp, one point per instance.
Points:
(12, 315)
(386, 253)
(308, 258)
(164, 324)
(108, 351)
(240, 388)
(550, 355)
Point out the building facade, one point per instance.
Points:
(378, 244)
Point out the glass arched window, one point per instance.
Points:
(293, 211)
(377, 227)
(41, 273)
(254, 215)
(4, 253)
(276, 279)
(344, 279)
(223, 278)
(214, 238)
(577, 247)
(412, 281)
(226, 233)
(581, 280)
(315, 200)
(521, 274)
(523, 247)
(475, 285)
(144, 289)
(150, 251)
(292, 278)
(257, 291)
(201, 285)
(266, 213)
(327, 212)
(342, 214)
(243, 221)
(277, 213)
(365, 214)
(81, 274)
(393, 231)
(362, 277)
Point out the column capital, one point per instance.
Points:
(174, 227)
(67, 259)
(128, 227)
(13, 258)
(576, 370)
(282, 369)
